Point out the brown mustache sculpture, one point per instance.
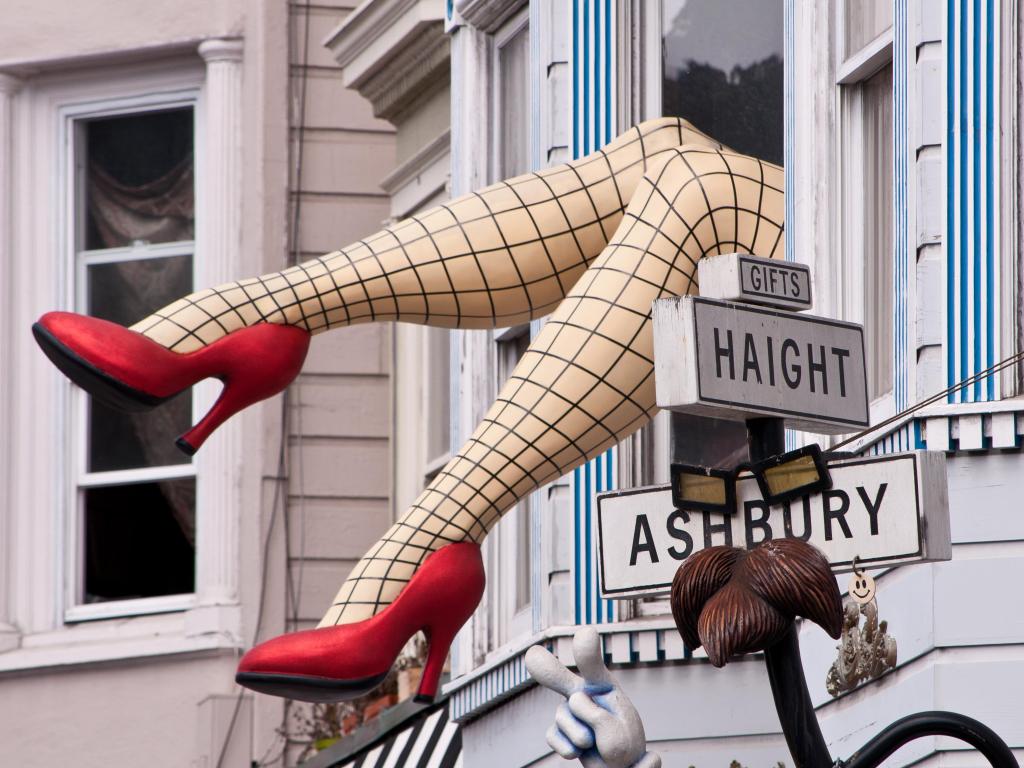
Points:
(734, 601)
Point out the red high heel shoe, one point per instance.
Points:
(126, 370)
(346, 661)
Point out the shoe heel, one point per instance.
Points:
(254, 363)
(438, 653)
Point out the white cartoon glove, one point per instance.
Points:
(598, 723)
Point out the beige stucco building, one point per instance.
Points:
(103, 663)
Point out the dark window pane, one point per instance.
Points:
(723, 71)
(139, 179)
(514, 68)
(708, 442)
(125, 292)
(140, 540)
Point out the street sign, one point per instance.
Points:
(883, 510)
(735, 361)
(753, 279)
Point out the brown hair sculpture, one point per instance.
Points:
(733, 601)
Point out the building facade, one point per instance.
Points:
(291, 129)
(142, 154)
(897, 123)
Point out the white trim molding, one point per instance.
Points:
(395, 53)
(488, 15)
(36, 477)
(9, 87)
(218, 246)
(420, 178)
(504, 676)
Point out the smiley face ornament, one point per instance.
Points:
(862, 588)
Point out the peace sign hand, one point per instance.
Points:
(598, 723)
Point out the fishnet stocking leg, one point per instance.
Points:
(492, 258)
(587, 379)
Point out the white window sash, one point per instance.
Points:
(72, 576)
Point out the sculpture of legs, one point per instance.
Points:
(596, 240)
(492, 258)
(586, 380)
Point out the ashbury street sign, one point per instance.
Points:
(884, 510)
(735, 361)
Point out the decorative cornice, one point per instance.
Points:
(369, 24)
(10, 84)
(221, 49)
(488, 15)
(414, 74)
(393, 52)
(417, 164)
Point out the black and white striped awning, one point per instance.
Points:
(428, 740)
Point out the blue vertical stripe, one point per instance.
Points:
(608, 71)
(951, 240)
(586, 77)
(990, 206)
(973, 192)
(577, 544)
(976, 202)
(593, 124)
(964, 138)
(588, 551)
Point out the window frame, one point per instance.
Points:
(853, 70)
(500, 620)
(506, 615)
(504, 35)
(71, 562)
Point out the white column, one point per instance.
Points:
(218, 259)
(9, 87)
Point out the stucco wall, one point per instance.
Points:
(140, 713)
(61, 29)
(340, 456)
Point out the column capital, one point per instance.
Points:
(221, 49)
(10, 84)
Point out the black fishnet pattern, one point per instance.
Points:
(498, 257)
(586, 381)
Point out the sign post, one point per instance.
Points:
(763, 362)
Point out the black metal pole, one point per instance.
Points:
(766, 437)
(978, 735)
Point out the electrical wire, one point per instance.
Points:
(293, 586)
(281, 479)
(991, 370)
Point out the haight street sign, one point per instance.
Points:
(884, 510)
(755, 279)
(735, 361)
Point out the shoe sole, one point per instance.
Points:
(315, 690)
(100, 385)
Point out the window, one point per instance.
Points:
(866, 156)
(726, 79)
(506, 611)
(508, 547)
(511, 348)
(438, 400)
(725, 76)
(134, 508)
(511, 89)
